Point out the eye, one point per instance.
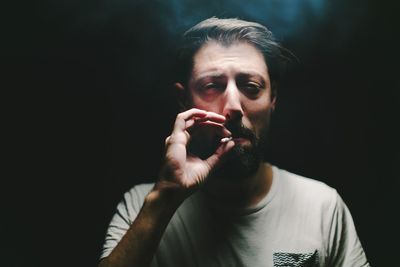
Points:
(212, 86)
(209, 85)
(251, 89)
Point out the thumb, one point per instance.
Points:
(216, 157)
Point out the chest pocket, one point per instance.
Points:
(283, 259)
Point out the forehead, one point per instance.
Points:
(239, 57)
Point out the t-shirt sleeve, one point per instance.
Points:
(125, 214)
(345, 246)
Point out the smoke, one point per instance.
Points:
(286, 18)
(131, 41)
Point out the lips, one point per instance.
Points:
(241, 140)
(242, 136)
(240, 133)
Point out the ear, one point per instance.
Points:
(273, 103)
(181, 96)
(273, 95)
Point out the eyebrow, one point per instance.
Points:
(219, 75)
(247, 75)
(214, 75)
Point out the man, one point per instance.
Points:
(216, 202)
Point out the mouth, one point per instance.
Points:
(236, 140)
(241, 140)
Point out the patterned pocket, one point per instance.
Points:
(283, 259)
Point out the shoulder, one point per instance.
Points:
(134, 197)
(140, 190)
(305, 190)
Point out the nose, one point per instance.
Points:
(232, 103)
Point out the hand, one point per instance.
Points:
(185, 171)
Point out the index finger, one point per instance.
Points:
(181, 118)
(212, 116)
(197, 115)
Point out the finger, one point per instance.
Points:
(219, 153)
(181, 137)
(201, 121)
(190, 123)
(212, 116)
(198, 115)
(167, 140)
(181, 118)
(210, 126)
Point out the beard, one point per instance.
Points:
(243, 161)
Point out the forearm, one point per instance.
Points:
(140, 242)
(181, 175)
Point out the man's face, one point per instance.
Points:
(233, 81)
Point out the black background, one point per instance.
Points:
(87, 104)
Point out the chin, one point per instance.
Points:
(242, 162)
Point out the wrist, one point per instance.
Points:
(166, 196)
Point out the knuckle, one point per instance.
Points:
(167, 140)
(171, 139)
(172, 163)
(180, 116)
(178, 138)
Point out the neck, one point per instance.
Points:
(244, 193)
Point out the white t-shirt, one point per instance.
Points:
(301, 222)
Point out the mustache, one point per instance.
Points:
(238, 130)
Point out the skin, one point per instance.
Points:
(233, 81)
(226, 83)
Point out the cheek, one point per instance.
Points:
(258, 114)
(260, 121)
(213, 106)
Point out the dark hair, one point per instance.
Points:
(227, 32)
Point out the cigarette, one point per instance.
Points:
(226, 139)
